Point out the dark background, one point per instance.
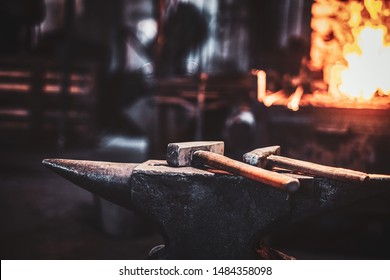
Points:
(43, 216)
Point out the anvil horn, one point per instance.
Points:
(108, 180)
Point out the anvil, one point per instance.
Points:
(208, 215)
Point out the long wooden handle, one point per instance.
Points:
(248, 171)
(324, 171)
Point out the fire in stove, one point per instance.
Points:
(349, 58)
(364, 74)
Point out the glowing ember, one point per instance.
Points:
(272, 98)
(293, 103)
(261, 85)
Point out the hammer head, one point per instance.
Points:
(259, 156)
(180, 154)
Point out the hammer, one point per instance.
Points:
(270, 156)
(210, 153)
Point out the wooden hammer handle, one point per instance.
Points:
(248, 171)
(324, 171)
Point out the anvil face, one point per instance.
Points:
(205, 215)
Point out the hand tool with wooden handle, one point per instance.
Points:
(210, 153)
(270, 156)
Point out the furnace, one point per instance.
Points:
(338, 104)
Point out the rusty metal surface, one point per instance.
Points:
(203, 215)
(109, 180)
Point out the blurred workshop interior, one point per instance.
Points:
(118, 80)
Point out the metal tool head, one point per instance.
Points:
(259, 156)
(180, 154)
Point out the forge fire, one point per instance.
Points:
(349, 59)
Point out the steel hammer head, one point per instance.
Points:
(259, 156)
(180, 154)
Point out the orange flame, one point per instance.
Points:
(368, 58)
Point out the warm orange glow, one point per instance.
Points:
(367, 57)
(293, 103)
(261, 85)
(56, 89)
(374, 7)
(368, 66)
(270, 99)
(15, 87)
(356, 16)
